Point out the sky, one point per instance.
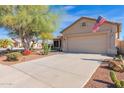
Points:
(71, 13)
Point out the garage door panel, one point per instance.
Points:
(89, 44)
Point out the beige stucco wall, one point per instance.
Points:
(118, 43)
(77, 30)
(122, 46)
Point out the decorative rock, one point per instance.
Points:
(116, 65)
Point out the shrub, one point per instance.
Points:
(120, 57)
(13, 56)
(26, 52)
(117, 83)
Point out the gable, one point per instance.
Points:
(84, 25)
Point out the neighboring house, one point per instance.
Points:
(80, 38)
(38, 43)
(17, 42)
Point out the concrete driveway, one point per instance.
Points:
(60, 71)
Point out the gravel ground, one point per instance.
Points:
(25, 58)
(101, 78)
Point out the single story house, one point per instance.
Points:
(79, 37)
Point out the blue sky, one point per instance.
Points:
(71, 13)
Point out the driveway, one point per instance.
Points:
(65, 70)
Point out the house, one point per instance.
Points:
(17, 42)
(80, 38)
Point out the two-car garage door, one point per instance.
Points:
(88, 44)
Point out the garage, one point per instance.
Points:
(80, 38)
(88, 43)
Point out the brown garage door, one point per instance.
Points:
(88, 44)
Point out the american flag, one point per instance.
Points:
(98, 23)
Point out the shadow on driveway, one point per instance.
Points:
(100, 60)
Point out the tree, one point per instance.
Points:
(27, 22)
(45, 31)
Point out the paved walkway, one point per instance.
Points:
(62, 70)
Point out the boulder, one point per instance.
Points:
(116, 65)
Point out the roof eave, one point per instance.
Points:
(90, 19)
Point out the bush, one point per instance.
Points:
(13, 56)
(120, 57)
(26, 52)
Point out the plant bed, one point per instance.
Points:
(101, 78)
(23, 58)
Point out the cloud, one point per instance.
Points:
(69, 18)
(69, 7)
(117, 18)
(66, 20)
(87, 12)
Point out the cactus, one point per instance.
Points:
(122, 83)
(113, 76)
(117, 83)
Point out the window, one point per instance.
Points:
(83, 24)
